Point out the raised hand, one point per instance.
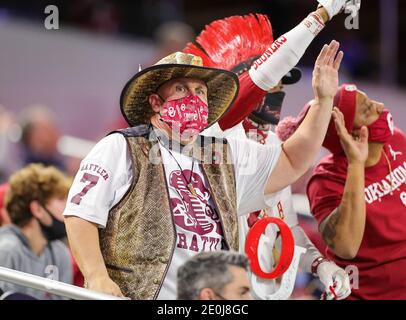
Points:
(325, 73)
(356, 149)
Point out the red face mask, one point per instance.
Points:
(382, 129)
(188, 113)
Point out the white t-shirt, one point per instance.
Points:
(105, 175)
(282, 200)
(282, 205)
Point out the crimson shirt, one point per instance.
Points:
(381, 259)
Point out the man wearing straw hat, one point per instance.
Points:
(149, 197)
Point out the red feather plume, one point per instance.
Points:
(227, 42)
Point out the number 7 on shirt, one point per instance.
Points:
(92, 181)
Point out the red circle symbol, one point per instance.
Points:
(288, 247)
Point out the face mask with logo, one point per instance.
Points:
(187, 113)
(382, 129)
(55, 231)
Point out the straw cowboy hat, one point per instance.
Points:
(222, 87)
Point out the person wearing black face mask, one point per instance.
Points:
(32, 243)
(258, 126)
(56, 230)
(269, 111)
(266, 115)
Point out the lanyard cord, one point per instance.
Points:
(188, 181)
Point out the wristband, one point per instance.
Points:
(316, 263)
(314, 23)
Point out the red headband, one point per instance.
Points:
(345, 100)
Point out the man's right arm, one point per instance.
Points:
(84, 242)
(103, 177)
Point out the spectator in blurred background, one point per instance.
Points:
(35, 201)
(172, 36)
(10, 133)
(4, 217)
(220, 275)
(358, 194)
(100, 16)
(40, 137)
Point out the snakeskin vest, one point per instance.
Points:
(139, 239)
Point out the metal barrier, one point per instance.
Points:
(52, 286)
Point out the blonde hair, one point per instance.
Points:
(34, 182)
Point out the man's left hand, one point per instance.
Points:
(335, 280)
(325, 74)
(334, 7)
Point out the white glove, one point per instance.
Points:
(334, 7)
(335, 280)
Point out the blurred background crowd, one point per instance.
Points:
(59, 89)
